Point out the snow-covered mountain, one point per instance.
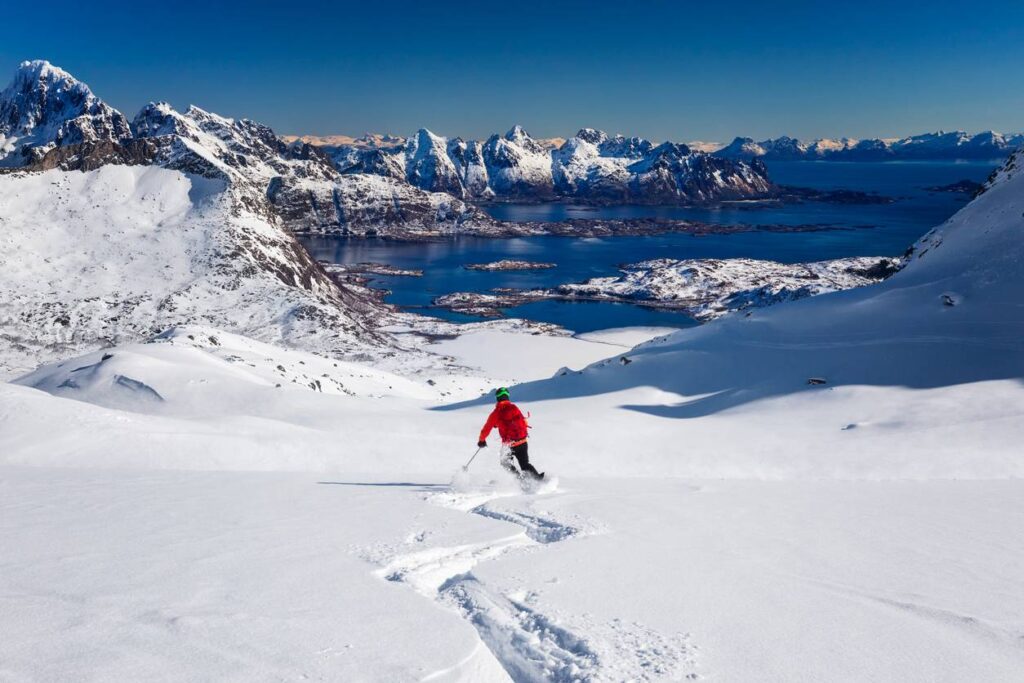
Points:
(590, 166)
(54, 121)
(936, 146)
(299, 180)
(45, 107)
(114, 232)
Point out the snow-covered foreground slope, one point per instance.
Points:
(376, 559)
(708, 512)
(115, 575)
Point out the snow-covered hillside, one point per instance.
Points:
(124, 252)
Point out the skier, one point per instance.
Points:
(512, 427)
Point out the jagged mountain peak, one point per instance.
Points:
(158, 118)
(425, 136)
(31, 72)
(44, 107)
(592, 135)
(630, 148)
(428, 164)
(516, 133)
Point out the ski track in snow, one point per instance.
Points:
(529, 644)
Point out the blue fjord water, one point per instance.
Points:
(869, 230)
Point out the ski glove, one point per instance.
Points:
(481, 444)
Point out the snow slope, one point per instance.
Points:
(124, 252)
(708, 514)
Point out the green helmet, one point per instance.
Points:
(501, 393)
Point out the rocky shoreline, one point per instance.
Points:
(371, 268)
(702, 288)
(959, 187)
(510, 264)
(584, 227)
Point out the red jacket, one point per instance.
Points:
(510, 423)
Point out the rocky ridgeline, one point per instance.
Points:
(589, 167)
(415, 190)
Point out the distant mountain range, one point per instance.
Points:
(937, 146)
(381, 184)
(387, 140)
(48, 119)
(928, 146)
(595, 167)
(590, 166)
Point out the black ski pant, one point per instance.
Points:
(523, 458)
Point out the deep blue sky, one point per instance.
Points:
(679, 70)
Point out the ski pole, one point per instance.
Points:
(466, 466)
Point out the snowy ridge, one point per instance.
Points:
(299, 181)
